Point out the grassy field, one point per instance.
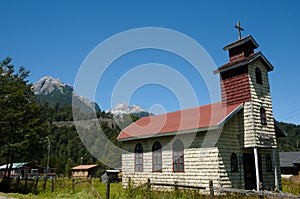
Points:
(64, 189)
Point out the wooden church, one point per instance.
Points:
(233, 142)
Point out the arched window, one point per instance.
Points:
(258, 76)
(234, 163)
(178, 156)
(263, 116)
(156, 157)
(268, 163)
(138, 157)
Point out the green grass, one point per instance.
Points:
(64, 189)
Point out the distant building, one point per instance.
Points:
(22, 170)
(81, 171)
(290, 163)
(232, 142)
(114, 175)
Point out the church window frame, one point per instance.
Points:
(178, 156)
(157, 157)
(258, 76)
(234, 166)
(269, 163)
(138, 157)
(263, 116)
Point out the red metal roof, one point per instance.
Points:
(202, 117)
(84, 167)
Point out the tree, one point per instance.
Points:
(22, 131)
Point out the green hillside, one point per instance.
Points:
(292, 141)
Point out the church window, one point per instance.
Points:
(263, 116)
(178, 156)
(156, 157)
(268, 163)
(258, 76)
(138, 156)
(234, 163)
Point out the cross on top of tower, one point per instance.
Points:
(239, 29)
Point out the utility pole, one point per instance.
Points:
(48, 156)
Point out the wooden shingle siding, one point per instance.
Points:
(257, 134)
(201, 164)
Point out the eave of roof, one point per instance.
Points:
(246, 60)
(84, 167)
(240, 42)
(280, 132)
(218, 125)
(15, 165)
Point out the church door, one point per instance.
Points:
(249, 170)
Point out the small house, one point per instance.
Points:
(21, 169)
(84, 171)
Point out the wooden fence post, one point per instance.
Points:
(18, 182)
(25, 183)
(36, 182)
(52, 184)
(175, 186)
(211, 189)
(91, 182)
(148, 184)
(107, 186)
(129, 183)
(44, 185)
(73, 185)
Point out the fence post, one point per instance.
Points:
(73, 185)
(211, 189)
(25, 182)
(175, 186)
(36, 182)
(44, 185)
(91, 182)
(148, 184)
(107, 186)
(18, 182)
(129, 183)
(52, 184)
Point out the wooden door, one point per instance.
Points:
(249, 170)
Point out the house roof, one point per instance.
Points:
(288, 159)
(244, 61)
(84, 167)
(15, 165)
(201, 118)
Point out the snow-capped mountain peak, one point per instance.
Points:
(123, 108)
(54, 91)
(47, 85)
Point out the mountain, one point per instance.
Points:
(53, 91)
(122, 108)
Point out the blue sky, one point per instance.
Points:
(54, 38)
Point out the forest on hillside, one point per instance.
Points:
(292, 141)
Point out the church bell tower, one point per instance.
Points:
(244, 79)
